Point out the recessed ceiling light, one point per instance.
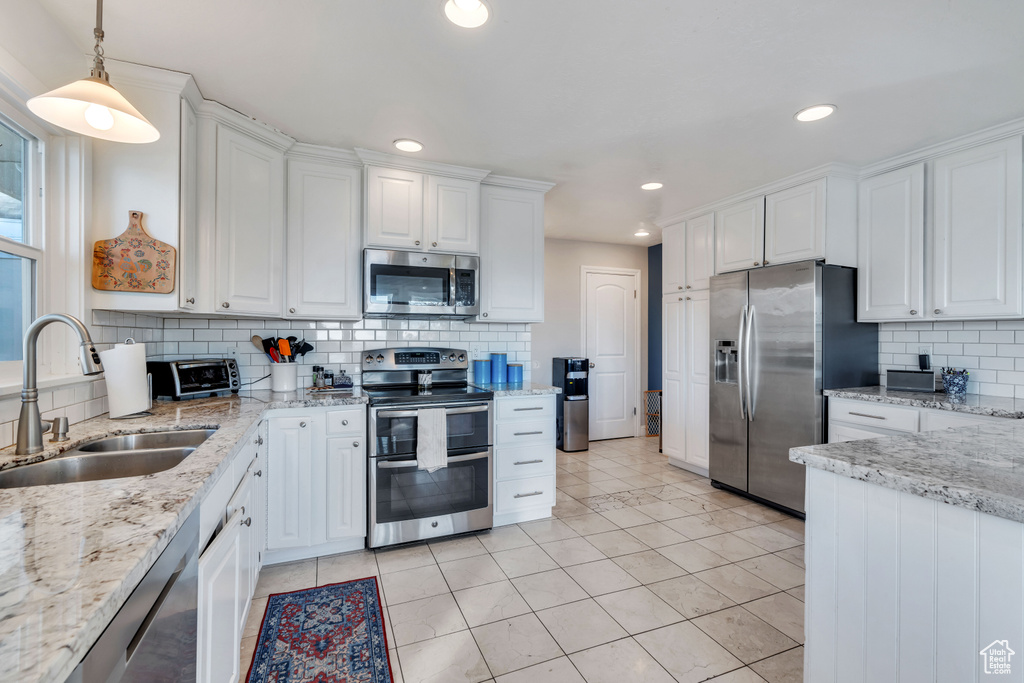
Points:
(815, 113)
(466, 13)
(642, 231)
(407, 145)
(651, 186)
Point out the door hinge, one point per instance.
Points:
(634, 293)
(634, 411)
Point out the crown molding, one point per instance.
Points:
(334, 155)
(223, 114)
(373, 158)
(152, 77)
(518, 183)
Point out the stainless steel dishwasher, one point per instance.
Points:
(153, 637)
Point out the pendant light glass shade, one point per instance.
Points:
(93, 107)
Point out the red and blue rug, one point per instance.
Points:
(329, 634)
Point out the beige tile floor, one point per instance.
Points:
(644, 574)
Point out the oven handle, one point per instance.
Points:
(481, 408)
(395, 464)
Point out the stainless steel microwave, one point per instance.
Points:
(410, 284)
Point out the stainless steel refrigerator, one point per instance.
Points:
(779, 336)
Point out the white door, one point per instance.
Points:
(611, 305)
(794, 224)
(739, 236)
(323, 240)
(289, 473)
(511, 255)
(890, 249)
(673, 379)
(394, 208)
(219, 633)
(976, 248)
(250, 225)
(451, 215)
(346, 488)
(673, 259)
(698, 363)
(700, 251)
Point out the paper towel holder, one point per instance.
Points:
(149, 381)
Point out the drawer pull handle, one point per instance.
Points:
(873, 417)
(248, 521)
(527, 495)
(527, 462)
(526, 433)
(516, 410)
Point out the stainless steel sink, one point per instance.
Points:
(132, 455)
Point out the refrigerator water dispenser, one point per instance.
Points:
(727, 359)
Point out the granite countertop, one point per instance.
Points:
(519, 389)
(979, 467)
(71, 554)
(975, 404)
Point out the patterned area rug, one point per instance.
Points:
(330, 634)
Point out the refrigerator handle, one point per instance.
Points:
(746, 362)
(739, 360)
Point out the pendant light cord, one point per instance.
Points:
(97, 62)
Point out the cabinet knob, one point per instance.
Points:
(226, 305)
(302, 424)
(687, 298)
(260, 441)
(766, 263)
(258, 473)
(592, 365)
(417, 243)
(433, 244)
(355, 444)
(344, 423)
(757, 263)
(248, 521)
(680, 298)
(291, 310)
(485, 315)
(679, 287)
(688, 286)
(913, 312)
(938, 311)
(190, 300)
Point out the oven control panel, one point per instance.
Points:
(415, 359)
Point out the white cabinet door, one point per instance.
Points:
(976, 246)
(697, 351)
(739, 236)
(260, 509)
(511, 255)
(673, 399)
(250, 225)
(324, 256)
(346, 488)
(220, 601)
(700, 251)
(289, 474)
(244, 501)
(890, 253)
(188, 230)
(673, 259)
(451, 215)
(794, 224)
(394, 208)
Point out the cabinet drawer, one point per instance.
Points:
(519, 494)
(874, 415)
(525, 408)
(342, 422)
(932, 420)
(522, 433)
(524, 461)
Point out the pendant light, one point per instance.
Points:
(92, 106)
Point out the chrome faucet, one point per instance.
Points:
(31, 427)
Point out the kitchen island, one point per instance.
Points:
(893, 524)
(71, 554)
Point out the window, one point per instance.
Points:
(19, 250)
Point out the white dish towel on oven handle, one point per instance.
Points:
(431, 439)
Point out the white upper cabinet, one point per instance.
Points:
(512, 252)
(452, 215)
(673, 258)
(250, 225)
(976, 233)
(890, 279)
(700, 252)
(794, 224)
(394, 208)
(324, 255)
(188, 231)
(739, 236)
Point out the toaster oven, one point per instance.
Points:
(178, 379)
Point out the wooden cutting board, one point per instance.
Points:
(133, 261)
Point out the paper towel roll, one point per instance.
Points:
(124, 367)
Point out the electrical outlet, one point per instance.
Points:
(924, 350)
(478, 351)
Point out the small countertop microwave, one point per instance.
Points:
(406, 284)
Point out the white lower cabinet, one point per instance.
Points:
(524, 458)
(852, 420)
(315, 482)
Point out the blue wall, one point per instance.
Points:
(654, 317)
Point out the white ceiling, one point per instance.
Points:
(598, 96)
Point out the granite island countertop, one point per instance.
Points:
(979, 467)
(71, 554)
(519, 389)
(974, 404)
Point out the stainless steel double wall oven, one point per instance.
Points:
(405, 502)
